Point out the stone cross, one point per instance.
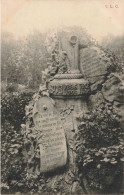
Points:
(75, 45)
(70, 44)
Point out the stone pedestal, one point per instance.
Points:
(69, 86)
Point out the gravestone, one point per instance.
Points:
(55, 117)
(64, 96)
(51, 138)
(91, 62)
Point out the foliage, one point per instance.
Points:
(13, 107)
(13, 161)
(99, 146)
(13, 164)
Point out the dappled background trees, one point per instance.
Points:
(23, 59)
(116, 45)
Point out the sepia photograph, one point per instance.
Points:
(62, 97)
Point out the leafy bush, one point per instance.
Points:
(99, 145)
(13, 161)
(13, 107)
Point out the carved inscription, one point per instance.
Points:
(68, 88)
(91, 63)
(51, 140)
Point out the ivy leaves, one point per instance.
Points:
(99, 145)
(13, 161)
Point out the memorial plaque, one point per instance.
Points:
(92, 62)
(51, 136)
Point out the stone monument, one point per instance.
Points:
(73, 85)
(55, 116)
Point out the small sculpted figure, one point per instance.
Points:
(63, 65)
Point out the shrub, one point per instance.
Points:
(99, 146)
(13, 166)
